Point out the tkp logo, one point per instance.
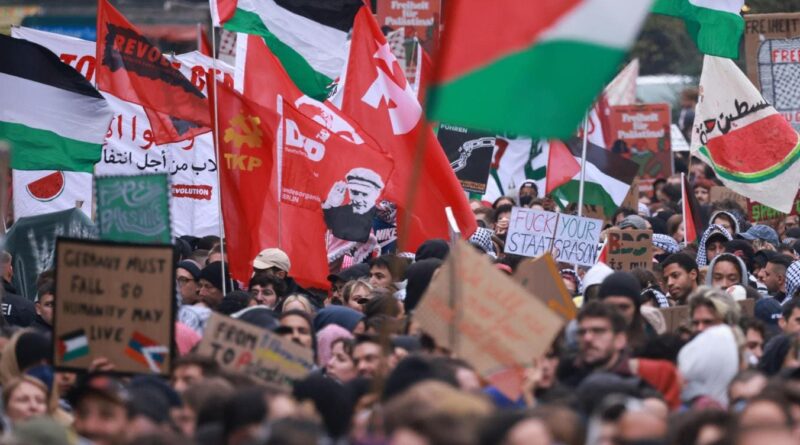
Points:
(401, 101)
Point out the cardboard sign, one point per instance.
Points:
(489, 320)
(258, 353)
(642, 133)
(470, 155)
(571, 239)
(679, 316)
(419, 18)
(630, 249)
(631, 200)
(133, 208)
(542, 279)
(721, 193)
(116, 301)
(772, 53)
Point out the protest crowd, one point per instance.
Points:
(358, 279)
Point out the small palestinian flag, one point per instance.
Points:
(73, 345)
(694, 224)
(146, 351)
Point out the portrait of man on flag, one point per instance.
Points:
(353, 221)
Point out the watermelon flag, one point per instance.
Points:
(375, 93)
(716, 26)
(752, 148)
(694, 224)
(608, 176)
(52, 116)
(531, 78)
(133, 69)
(308, 36)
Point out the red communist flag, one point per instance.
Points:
(377, 96)
(133, 69)
(326, 182)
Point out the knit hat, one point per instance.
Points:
(32, 348)
(621, 284)
(633, 222)
(325, 338)
(595, 275)
(432, 248)
(353, 272)
(213, 274)
(191, 267)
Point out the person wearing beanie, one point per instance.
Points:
(635, 222)
(210, 280)
(432, 248)
(186, 276)
(623, 291)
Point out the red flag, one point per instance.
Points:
(133, 69)
(326, 181)
(376, 94)
(561, 166)
(203, 45)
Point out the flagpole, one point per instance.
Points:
(217, 153)
(279, 146)
(583, 163)
(200, 37)
(684, 196)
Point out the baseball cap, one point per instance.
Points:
(102, 385)
(769, 311)
(272, 257)
(762, 232)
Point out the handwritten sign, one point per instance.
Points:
(772, 53)
(241, 347)
(133, 208)
(497, 324)
(541, 278)
(678, 316)
(630, 249)
(470, 155)
(642, 133)
(115, 301)
(761, 213)
(569, 238)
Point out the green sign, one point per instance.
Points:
(133, 208)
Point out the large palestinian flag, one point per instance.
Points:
(53, 118)
(751, 147)
(308, 36)
(716, 26)
(521, 66)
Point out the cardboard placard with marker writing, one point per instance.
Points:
(489, 320)
(117, 301)
(540, 277)
(571, 239)
(630, 249)
(242, 347)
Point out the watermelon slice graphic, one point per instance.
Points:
(47, 188)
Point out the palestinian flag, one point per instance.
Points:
(73, 345)
(608, 176)
(51, 115)
(531, 78)
(308, 36)
(752, 148)
(716, 26)
(694, 224)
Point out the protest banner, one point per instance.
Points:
(31, 241)
(763, 214)
(419, 18)
(541, 278)
(470, 155)
(130, 148)
(492, 321)
(117, 301)
(630, 249)
(720, 193)
(571, 239)
(258, 353)
(772, 53)
(642, 133)
(133, 208)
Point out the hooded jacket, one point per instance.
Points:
(702, 255)
(739, 261)
(708, 363)
(736, 226)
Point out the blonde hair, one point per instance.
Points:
(300, 298)
(352, 286)
(15, 383)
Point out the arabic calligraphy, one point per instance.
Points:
(725, 122)
(157, 163)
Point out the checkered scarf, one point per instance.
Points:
(665, 243)
(654, 293)
(793, 279)
(482, 238)
(702, 257)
